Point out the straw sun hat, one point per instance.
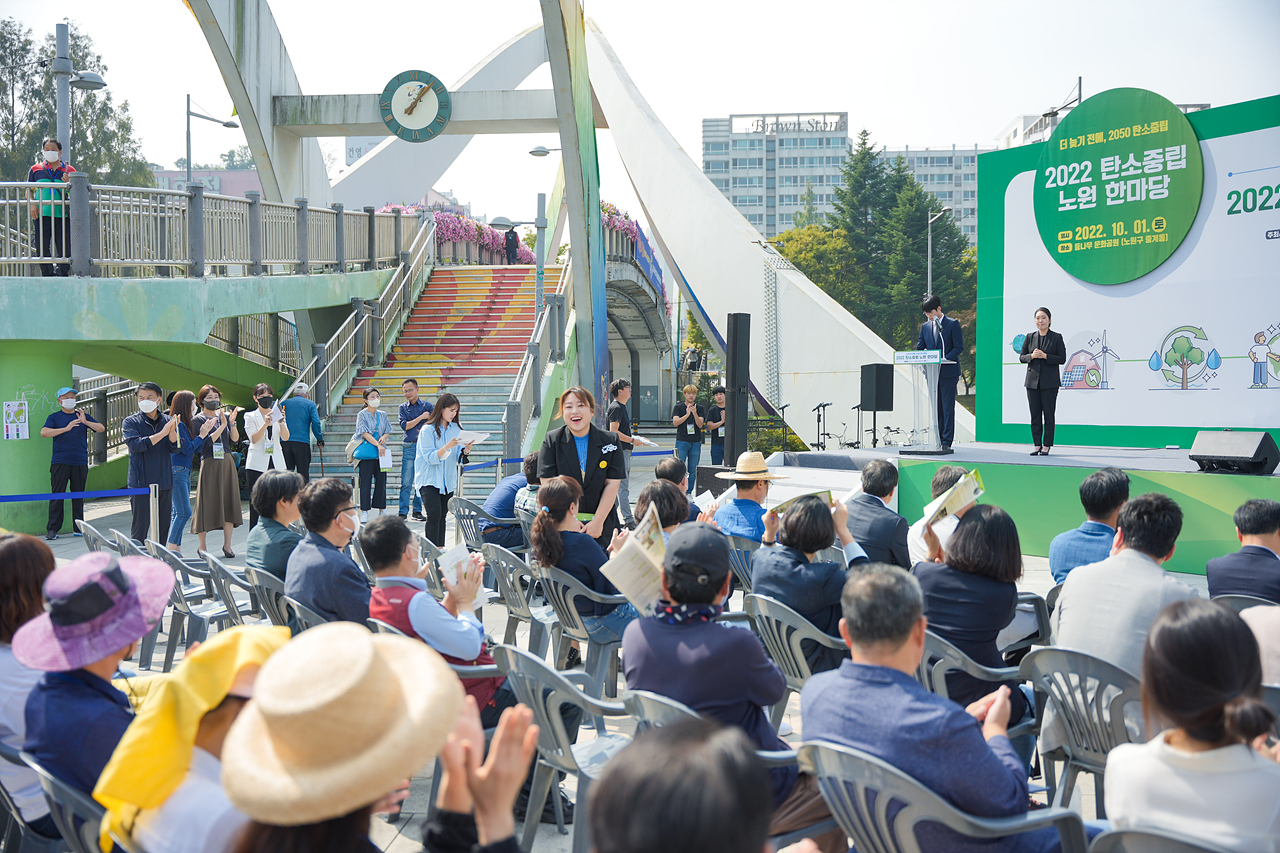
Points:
(339, 717)
(751, 466)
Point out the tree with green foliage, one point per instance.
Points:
(808, 214)
(1183, 354)
(825, 256)
(103, 144)
(695, 337)
(238, 159)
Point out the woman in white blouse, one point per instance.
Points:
(266, 431)
(1211, 774)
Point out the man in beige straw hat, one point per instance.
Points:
(745, 515)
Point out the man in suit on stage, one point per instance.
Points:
(1255, 568)
(880, 531)
(943, 333)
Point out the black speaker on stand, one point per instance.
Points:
(737, 386)
(1231, 452)
(877, 393)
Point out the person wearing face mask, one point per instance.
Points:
(182, 408)
(266, 429)
(152, 439)
(218, 492)
(69, 428)
(51, 221)
(374, 427)
(319, 573)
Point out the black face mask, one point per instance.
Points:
(211, 403)
(265, 402)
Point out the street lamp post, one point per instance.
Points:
(540, 247)
(929, 277)
(190, 114)
(65, 78)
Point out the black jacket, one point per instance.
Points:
(880, 531)
(1253, 570)
(1043, 372)
(559, 455)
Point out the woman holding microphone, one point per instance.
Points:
(435, 469)
(590, 455)
(1042, 352)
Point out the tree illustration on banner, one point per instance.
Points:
(1183, 354)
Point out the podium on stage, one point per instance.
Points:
(926, 438)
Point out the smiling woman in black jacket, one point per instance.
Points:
(590, 455)
(1042, 352)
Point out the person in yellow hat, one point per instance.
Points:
(163, 784)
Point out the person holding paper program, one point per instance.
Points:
(435, 472)
(373, 426)
(266, 429)
(590, 455)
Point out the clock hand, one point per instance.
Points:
(409, 109)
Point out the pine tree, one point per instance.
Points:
(808, 214)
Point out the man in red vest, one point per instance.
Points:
(449, 626)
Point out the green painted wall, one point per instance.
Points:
(1045, 501)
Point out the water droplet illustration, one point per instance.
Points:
(1154, 362)
(1215, 360)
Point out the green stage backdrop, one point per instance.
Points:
(1153, 237)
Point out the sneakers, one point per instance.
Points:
(50, 536)
(417, 516)
(548, 809)
(574, 659)
(785, 729)
(364, 516)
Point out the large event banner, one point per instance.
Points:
(1153, 237)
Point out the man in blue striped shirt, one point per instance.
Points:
(1102, 493)
(413, 413)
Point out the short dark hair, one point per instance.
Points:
(881, 604)
(807, 525)
(370, 390)
(985, 542)
(260, 388)
(617, 385)
(530, 469)
(669, 499)
(150, 386)
(931, 303)
(409, 381)
(1104, 491)
(320, 500)
(747, 485)
(1202, 672)
(719, 389)
(1047, 313)
(1258, 517)
(671, 469)
(944, 478)
(688, 787)
(383, 541)
(879, 478)
(273, 487)
(1151, 524)
(49, 139)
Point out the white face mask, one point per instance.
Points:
(147, 406)
(69, 403)
(52, 156)
(374, 402)
(354, 516)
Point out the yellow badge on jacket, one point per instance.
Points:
(604, 464)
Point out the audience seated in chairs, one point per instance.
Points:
(789, 573)
(1102, 494)
(744, 515)
(971, 595)
(721, 671)
(671, 469)
(501, 503)
(671, 503)
(880, 531)
(163, 785)
(1210, 775)
(874, 704)
(527, 498)
(1255, 568)
(450, 627)
(341, 718)
(25, 563)
(944, 478)
(271, 541)
(559, 542)
(319, 574)
(99, 607)
(1106, 608)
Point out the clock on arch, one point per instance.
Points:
(415, 106)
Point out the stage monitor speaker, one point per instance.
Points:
(737, 385)
(877, 387)
(1231, 452)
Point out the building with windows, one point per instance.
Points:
(1025, 130)
(763, 163)
(950, 175)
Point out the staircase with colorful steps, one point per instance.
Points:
(466, 335)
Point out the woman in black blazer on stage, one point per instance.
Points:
(1042, 351)
(590, 455)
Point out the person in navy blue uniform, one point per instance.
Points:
(1255, 568)
(152, 439)
(52, 220)
(942, 333)
(69, 428)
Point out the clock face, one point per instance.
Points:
(415, 106)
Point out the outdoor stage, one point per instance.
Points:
(1042, 493)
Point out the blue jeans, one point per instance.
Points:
(181, 504)
(609, 627)
(406, 480)
(690, 453)
(1260, 372)
(717, 454)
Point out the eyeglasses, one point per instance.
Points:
(344, 509)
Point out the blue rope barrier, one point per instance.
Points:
(65, 496)
(492, 462)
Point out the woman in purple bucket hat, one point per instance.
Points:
(97, 608)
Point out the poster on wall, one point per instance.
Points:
(1153, 237)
